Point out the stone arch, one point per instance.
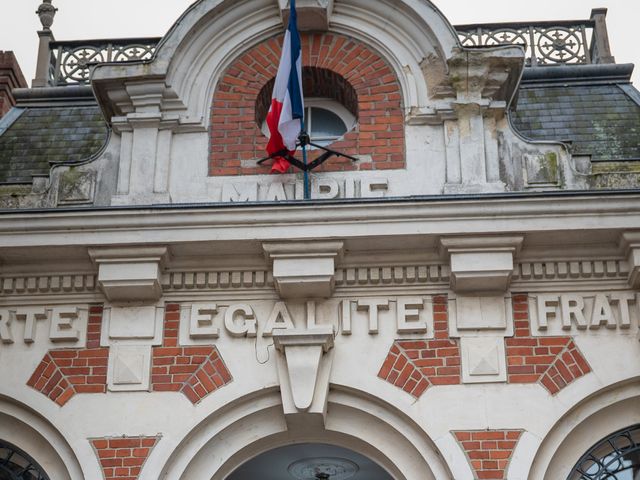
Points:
(236, 140)
(33, 434)
(256, 424)
(410, 34)
(601, 414)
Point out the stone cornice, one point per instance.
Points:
(371, 276)
(571, 275)
(571, 272)
(563, 213)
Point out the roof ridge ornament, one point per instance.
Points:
(47, 12)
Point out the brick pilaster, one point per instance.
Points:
(10, 77)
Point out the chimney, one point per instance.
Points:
(10, 77)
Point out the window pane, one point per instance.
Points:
(615, 457)
(325, 123)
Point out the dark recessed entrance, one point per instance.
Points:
(310, 461)
(17, 465)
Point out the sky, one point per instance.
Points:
(91, 19)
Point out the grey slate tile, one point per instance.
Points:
(51, 134)
(600, 120)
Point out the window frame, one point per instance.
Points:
(608, 453)
(333, 106)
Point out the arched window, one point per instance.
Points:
(616, 457)
(17, 465)
(325, 120)
(331, 105)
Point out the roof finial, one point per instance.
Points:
(46, 12)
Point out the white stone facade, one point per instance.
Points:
(396, 327)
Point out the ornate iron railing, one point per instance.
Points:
(71, 62)
(546, 43)
(579, 42)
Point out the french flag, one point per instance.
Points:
(286, 113)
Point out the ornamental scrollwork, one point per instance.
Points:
(544, 44)
(72, 62)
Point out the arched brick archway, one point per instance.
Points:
(236, 140)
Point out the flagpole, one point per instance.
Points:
(303, 144)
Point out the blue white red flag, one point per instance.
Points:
(286, 114)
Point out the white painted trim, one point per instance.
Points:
(583, 213)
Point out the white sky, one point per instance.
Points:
(85, 19)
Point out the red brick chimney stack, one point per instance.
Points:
(10, 77)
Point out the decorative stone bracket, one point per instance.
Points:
(481, 311)
(303, 369)
(482, 265)
(304, 269)
(630, 244)
(312, 14)
(130, 274)
(485, 76)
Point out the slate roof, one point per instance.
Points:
(599, 120)
(44, 135)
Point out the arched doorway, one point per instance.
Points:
(579, 448)
(18, 465)
(255, 424)
(31, 448)
(310, 461)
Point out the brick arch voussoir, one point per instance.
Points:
(236, 141)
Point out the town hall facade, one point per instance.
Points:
(459, 301)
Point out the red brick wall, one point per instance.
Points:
(236, 138)
(63, 373)
(122, 458)
(555, 362)
(488, 451)
(10, 77)
(414, 365)
(194, 371)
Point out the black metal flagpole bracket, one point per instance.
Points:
(303, 141)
